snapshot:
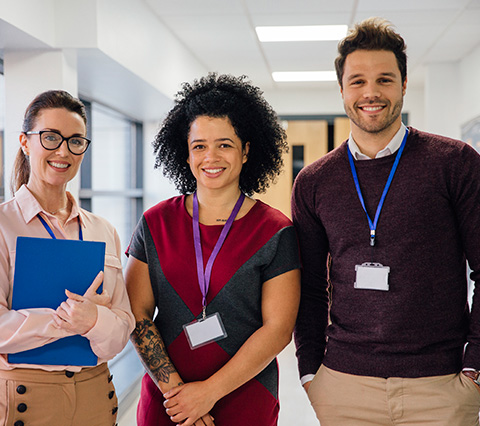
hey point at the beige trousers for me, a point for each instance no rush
(40, 398)
(341, 399)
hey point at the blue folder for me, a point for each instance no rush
(44, 268)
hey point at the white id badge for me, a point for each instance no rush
(204, 331)
(372, 276)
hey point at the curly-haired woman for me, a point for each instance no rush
(221, 268)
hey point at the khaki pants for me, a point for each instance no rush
(346, 400)
(31, 397)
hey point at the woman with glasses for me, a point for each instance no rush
(52, 146)
(220, 267)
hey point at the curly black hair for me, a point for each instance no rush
(252, 118)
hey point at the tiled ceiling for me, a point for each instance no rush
(221, 33)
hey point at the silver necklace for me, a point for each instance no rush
(59, 210)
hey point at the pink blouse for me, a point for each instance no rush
(30, 328)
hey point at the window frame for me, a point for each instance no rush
(135, 192)
(2, 151)
(126, 367)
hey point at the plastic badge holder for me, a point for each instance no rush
(204, 331)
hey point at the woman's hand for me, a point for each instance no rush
(78, 314)
(102, 299)
(206, 420)
(190, 404)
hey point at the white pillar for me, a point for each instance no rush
(155, 186)
(28, 73)
(443, 99)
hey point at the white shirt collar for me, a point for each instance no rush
(393, 146)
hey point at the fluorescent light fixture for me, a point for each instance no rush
(302, 33)
(304, 76)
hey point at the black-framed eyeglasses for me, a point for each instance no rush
(51, 141)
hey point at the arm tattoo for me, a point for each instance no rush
(152, 351)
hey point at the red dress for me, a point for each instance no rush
(260, 246)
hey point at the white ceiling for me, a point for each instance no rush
(221, 33)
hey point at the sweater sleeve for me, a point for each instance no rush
(312, 318)
(465, 196)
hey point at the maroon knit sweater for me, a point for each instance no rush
(428, 227)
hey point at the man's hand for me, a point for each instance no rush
(474, 376)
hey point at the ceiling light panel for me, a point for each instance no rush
(301, 33)
(289, 76)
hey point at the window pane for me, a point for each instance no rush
(111, 150)
(118, 211)
(2, 130)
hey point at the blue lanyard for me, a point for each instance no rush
(49, 230)
(373, 225)
(204, 276)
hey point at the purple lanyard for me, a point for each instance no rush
(204, 276)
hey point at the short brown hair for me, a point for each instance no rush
(372, 34)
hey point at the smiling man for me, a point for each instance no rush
(386, 223)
